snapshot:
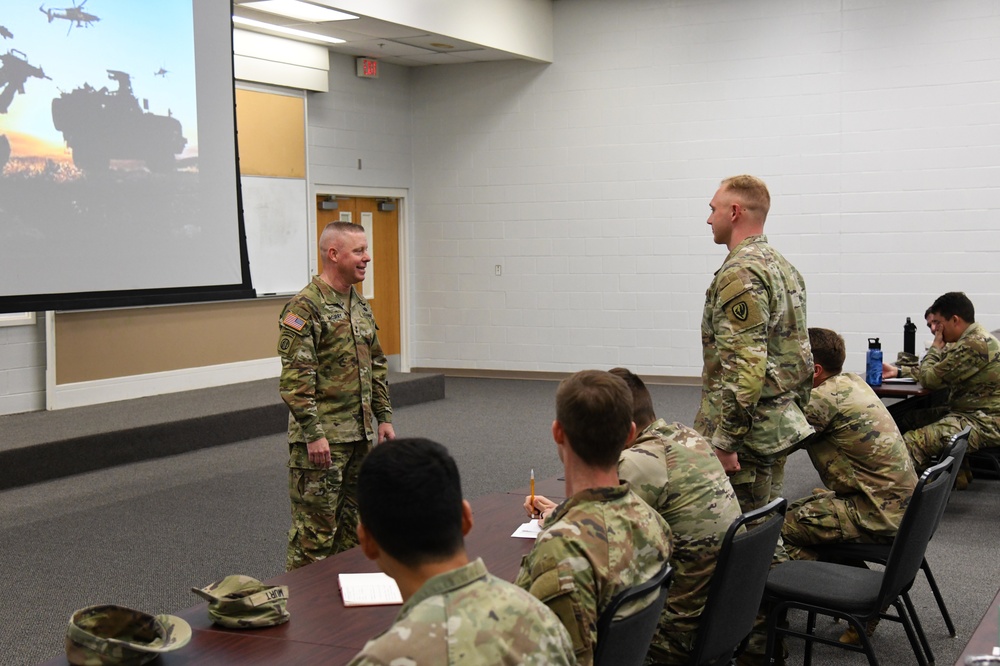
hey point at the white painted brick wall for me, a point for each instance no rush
(589, 179)
(22, 367)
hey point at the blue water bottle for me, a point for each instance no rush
(873, 368)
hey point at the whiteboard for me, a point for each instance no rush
(276, 215)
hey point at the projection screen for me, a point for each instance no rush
(120, 181)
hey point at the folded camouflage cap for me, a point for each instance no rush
(118, 636)
(242, 602)
(907, 359)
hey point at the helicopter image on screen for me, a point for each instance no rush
(102, 125)
(75, 15)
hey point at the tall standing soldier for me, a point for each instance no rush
(758, 368)
(334, 379)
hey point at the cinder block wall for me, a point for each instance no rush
(874, 123)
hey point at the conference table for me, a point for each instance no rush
(900, 389)
(321, 629)
(984, 638)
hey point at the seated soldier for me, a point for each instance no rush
(964, 358)
(859, 455)
(413, 520)
(675, 470)
(602, 539)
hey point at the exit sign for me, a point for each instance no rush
(367, 68)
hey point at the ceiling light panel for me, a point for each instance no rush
(292, 32)
(302, 11)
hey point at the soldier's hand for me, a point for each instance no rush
(889, 371)
(385, 432)
(542, 507)
(319, 452)
(729, 459)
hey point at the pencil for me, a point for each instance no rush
(532, 491)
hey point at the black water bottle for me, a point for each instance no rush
(909, 337)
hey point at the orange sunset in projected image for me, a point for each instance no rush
(26, 147)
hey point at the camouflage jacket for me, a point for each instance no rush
(334, 376)
(469, 617)
(594, 545)
(971, 368)
(757, 362)
(859, 453)
(674, 470)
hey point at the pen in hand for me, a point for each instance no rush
(534, 514)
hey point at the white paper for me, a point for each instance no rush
(369, 589)
(899, 380)
(528, 530)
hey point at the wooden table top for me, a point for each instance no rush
(900, 390)
(321, 628)
(985, 637)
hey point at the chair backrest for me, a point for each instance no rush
(737, 585)
(957, 447)
(915, 530)
(625, 641)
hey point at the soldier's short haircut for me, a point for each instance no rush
(410, 500)
(752, 192)
(642, 402)
(332, 231)
(594, 409)
(828, 349)
(955, 303)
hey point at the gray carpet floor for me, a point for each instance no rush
(141, 535)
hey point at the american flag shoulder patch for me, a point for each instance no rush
(294, 321)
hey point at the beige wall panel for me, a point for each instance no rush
(272, 135)
(120, 343)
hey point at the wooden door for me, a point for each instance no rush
(384, 267)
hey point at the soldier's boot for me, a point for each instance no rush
(964, 477)
(850, 635)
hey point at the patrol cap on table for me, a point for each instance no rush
(242, 602)
(117, 636)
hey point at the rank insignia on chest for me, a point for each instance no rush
(294, 321)
(740, 310)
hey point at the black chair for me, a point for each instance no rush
(737, 586)
(859, 594)
(625, 641)
(985, 463)
(879, 553)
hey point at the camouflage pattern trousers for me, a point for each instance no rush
(927, 432)
(758, 482)
(324, 502)
(822, 518)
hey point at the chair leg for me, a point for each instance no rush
(917, 641)
(774, 616)
(937, 597)
(918, 628)
(810, 629)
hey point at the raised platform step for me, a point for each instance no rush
(38, 446)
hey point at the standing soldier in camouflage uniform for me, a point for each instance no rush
(602, 539)
(674, 470)
(859, 455)
(964, 358)
(757, 366)
(334, 381)
(413, 520)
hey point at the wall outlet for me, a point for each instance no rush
(498, 270)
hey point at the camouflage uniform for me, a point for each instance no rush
(860, 457)
(758, 367)
(594, 545)
(674, 470)
(970, 367)
(334, 381)
(469, 617)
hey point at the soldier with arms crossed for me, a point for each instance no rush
(602, 539)
(334, 379)
(413, 520)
